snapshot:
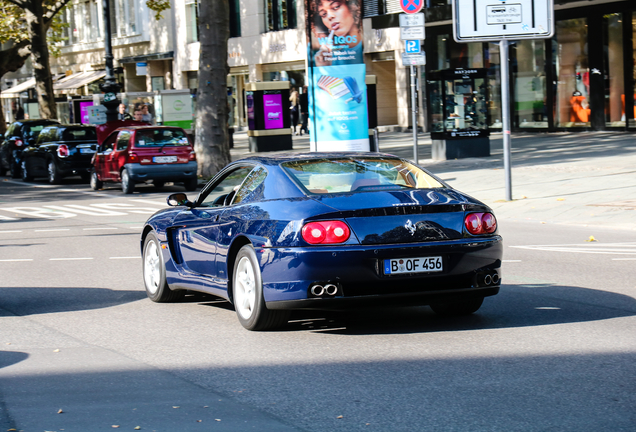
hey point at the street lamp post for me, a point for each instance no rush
(110, 87)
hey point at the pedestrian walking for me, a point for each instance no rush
(294, 109)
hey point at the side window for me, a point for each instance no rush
(109, 144)
(44, 136)
(223, 192)
(123, 139)
(252, 181)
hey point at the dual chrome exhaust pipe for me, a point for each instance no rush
(491, 279)
(320, 290)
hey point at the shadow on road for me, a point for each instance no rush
(24, 301)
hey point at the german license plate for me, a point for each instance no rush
(413, 265)
(164, 159)
(86, 150)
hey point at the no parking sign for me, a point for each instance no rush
(411, 6)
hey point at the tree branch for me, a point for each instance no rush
(13, 58)
(48, 16)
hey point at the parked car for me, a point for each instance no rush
(20, 134)
(60, 151)
(135, 154)
(324, 231)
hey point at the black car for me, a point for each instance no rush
(60, 151)
(19, 135)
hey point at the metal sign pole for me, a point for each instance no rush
(416, 156)
(505, 114)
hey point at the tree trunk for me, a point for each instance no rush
(40, 56)
(11, 60)
(211, 128)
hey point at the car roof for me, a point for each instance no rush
(279, 158)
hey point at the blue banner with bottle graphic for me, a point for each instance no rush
(338, 117)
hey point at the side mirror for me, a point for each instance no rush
(179, 199)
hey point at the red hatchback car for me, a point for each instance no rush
(137, 154)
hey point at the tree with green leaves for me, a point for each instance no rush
(211, 116)
(29, 22)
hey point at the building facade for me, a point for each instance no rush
(584, 78)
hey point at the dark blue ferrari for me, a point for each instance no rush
(324, 231)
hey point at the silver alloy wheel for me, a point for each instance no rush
(245, 288)
(152, 267)
(124, 180)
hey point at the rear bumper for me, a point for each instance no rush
(164, 172)
(357, 271)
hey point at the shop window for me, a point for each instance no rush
(280, 14)
(632, 119)
(192, 21)
(615, 96)
(572, 106)
(529, 83)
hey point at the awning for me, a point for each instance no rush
(77, 80)
(14, 92)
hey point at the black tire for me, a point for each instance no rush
(247, 290)
(127, 185)
(15, 169)
(96, 183)
(154, 272)
(191, 184)
(158, 184)
(26, 176)
(55, 177)
(459, 308)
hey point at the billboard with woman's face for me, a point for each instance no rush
(337, 90)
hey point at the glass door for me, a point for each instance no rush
(572, 96)
(614, 76)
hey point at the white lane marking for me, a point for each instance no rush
(69, 259)
(135, 227)
(100, 194)
(40, 212)
(159, 203)
(548, 308)
(510, 260)
(16, 260)
(593, 248)
(49, 230)
(135, 257)
(96, 229)
(7, 218)
(623, 259)
(91, 211)
(127, 207)
(6, 232)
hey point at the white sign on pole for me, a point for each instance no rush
(495, 20)
(412, 27)
(418, 59)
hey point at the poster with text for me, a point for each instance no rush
(338, 115)
(273, 110)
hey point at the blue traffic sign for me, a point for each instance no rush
(413, 47)
(411, 6)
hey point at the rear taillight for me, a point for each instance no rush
(18, 143)
(132, 157)
(326, 232)
(193, 156)
(62, 150)
(480, 223)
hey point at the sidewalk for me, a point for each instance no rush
(584, 178)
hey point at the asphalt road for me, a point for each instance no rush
(555, 350)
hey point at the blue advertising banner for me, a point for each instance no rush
(338, 119)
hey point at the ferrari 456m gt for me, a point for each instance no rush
(324, 231)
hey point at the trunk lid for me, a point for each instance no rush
(411, 216)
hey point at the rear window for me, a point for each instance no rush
(160, 137)
(322, 176)
(79, 134)
(33, 130)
